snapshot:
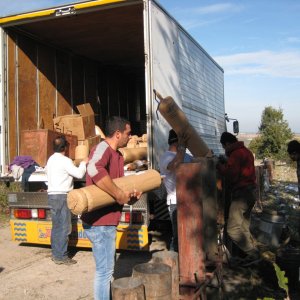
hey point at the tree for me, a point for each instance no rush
(274, 133)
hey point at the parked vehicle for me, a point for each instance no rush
(111, 54)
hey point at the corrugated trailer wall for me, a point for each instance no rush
(201, 82)
(44, 81)
(181, 68)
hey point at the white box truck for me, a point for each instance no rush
(111, 54)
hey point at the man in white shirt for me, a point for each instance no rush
(60, 172)
(168, 163)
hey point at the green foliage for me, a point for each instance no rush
(274, 134)
(282, 280)
(255, 145)
(13, 187)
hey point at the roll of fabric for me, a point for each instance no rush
(176, 118)
(91, 197)
(132, 144)
(81, 153)
(144, 137)
(132, 154)
(142, 144)
(99, 132)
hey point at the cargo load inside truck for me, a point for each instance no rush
(61, 62)
(111, 54)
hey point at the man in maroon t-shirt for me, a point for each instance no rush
(105, 164)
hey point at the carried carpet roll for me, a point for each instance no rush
(99, 132)
(81, 153)
(176, 118)
(132, 154)
(91, 197)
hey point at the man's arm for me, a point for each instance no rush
(77, 172)
(97, 171)
(231, 169)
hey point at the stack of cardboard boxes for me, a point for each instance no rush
(79, 129)
(80, 132)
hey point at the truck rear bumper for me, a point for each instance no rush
(129, 237)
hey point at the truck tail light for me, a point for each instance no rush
(135, 217)
(42, 214)
(22, 213)
(127, 217)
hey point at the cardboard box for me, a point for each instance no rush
(82, 125)
(39, 144)
(90, 142)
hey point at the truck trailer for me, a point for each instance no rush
(111, 54)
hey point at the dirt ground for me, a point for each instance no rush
(27, 272)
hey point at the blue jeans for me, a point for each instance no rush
(173, 217)
(103, 239)
(61, 225)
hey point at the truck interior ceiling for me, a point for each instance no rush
(94, 57)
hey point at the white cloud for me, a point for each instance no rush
(217, 8)
(210, 9)
(199, 16)
(267, 63)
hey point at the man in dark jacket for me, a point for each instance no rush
(239, 172)
(293, 150)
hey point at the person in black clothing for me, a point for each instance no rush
(293, 149)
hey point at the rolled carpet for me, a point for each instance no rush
(91, 197)
(132, 154)
(176, 118)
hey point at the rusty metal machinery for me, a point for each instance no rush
(200, 246)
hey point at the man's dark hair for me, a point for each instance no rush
(173, 138)
(227, 137)
(60, 144)
(293, 147)
(114, 124)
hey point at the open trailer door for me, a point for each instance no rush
(89, 52)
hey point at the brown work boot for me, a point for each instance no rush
(69, 261)
(64, 261)
(57, 261)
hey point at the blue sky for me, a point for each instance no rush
(257, 43)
